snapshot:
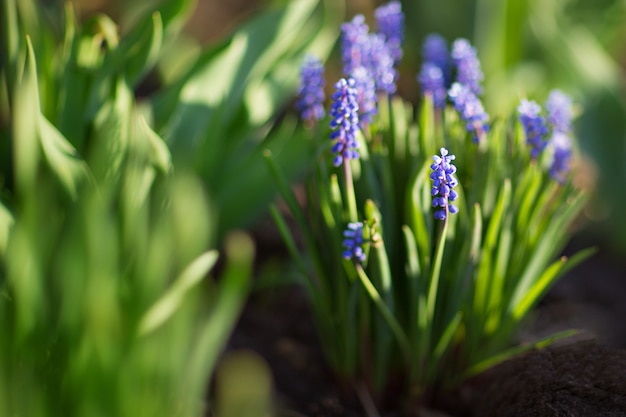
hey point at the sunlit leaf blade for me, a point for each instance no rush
(167, 305)
(547, 279)
(62, 158)
(233, 288)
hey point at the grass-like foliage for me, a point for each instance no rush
(128, 153)
(397, 286)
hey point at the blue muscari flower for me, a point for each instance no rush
(559, 108)
(471, 110)
(353, 242)
(435, 51)
(534, 126)
(381, 64)
(433, 82)
(354, 40)
(468, 70)
(366, 94)
(390, 23)
(443, 184)
(311, 91)
(562, 155)
(344, 121)
(362, 49)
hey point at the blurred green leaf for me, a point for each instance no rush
(62, 158)
(6, 222)
(234, 286)
(174, 297)
(27, 151)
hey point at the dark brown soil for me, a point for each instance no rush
(579, 379)
(277, 325)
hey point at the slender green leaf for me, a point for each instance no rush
(545, 281)
(233, 288)
(167, 305)
(62, 158)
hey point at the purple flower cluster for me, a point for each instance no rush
(433, 82)
(390, 24)
(468, 71)
(443, 184)
(366, 95)
(562, 155)
(311, 91)
(354, 41)
(435, 51)
(344, 121)
(381, 64)
(559, 108)
(471, 110)
(353, 242)
(433, 76)
(369, 50)
(534, 125)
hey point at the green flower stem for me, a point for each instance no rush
(395, 327)
(434, 279)
(350, 194)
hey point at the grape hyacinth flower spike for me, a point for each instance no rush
(344, 121)
(353, 242)
(468, 71)
(354, 41)
(311, 92)
(562, 155)
(366, 95)
(435, 51)
(443, 184)
(432, 81)
(471, 110)
(381, 65)
(390, 24)
(559, 108)
(534, 126)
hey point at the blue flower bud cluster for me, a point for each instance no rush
(435, 51)
(390, 24)
(354, 40)
(381, 64)
(443, 184)
(311, 91)
(561, 156)
(471, 110)
(344, 121)
(353, 242)
(559, 108)
(534, 125)
(433, 82)
(370, 51)
(434, 74)
(551, 130)
(366, 95)
(468, 71)
(434, 79)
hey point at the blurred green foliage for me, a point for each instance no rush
(127, 153)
